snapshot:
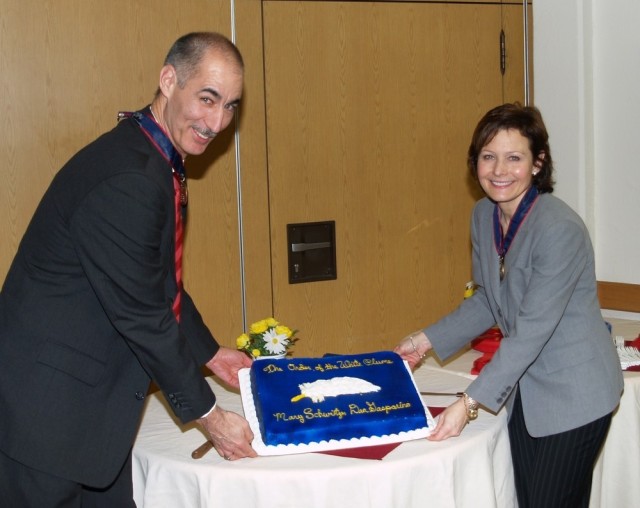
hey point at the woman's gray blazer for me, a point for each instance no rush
(556, 346)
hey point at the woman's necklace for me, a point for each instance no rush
(503, 242)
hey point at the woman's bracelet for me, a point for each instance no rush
(415, 349)
(471, 407)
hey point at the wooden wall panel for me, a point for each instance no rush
(253, 158)
(66, 68)
(514, 78)
(619, 296)
(370, 109)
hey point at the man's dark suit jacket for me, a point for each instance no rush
(86, 318)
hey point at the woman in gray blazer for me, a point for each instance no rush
(556, 369)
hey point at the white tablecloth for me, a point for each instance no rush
(473, 470)
(616, 477)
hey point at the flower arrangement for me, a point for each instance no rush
(266, 337)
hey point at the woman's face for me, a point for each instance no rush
(505, 169)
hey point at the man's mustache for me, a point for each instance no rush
(208, 133)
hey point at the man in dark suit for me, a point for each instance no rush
(93, 307)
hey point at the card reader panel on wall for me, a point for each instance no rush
(311, 251)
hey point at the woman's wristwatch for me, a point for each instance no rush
(472, 407)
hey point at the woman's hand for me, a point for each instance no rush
(450, 422)
(413, 348)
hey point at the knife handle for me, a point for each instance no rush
(201, 450)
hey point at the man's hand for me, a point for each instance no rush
(229, 432)
(226, 363)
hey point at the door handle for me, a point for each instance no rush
(300, 247)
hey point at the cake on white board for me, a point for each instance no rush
(300, 405)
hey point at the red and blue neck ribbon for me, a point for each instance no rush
(163, 144)
(502, 243)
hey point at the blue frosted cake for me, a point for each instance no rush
(343, 401)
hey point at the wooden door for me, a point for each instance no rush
(370, 108)
(66, 68)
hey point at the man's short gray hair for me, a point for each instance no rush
(187, 52)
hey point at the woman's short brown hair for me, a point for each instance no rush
(527, 120)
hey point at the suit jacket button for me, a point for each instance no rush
(139, 395)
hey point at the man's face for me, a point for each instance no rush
(206, 104)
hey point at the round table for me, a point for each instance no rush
(616, 473)
(471, 470)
